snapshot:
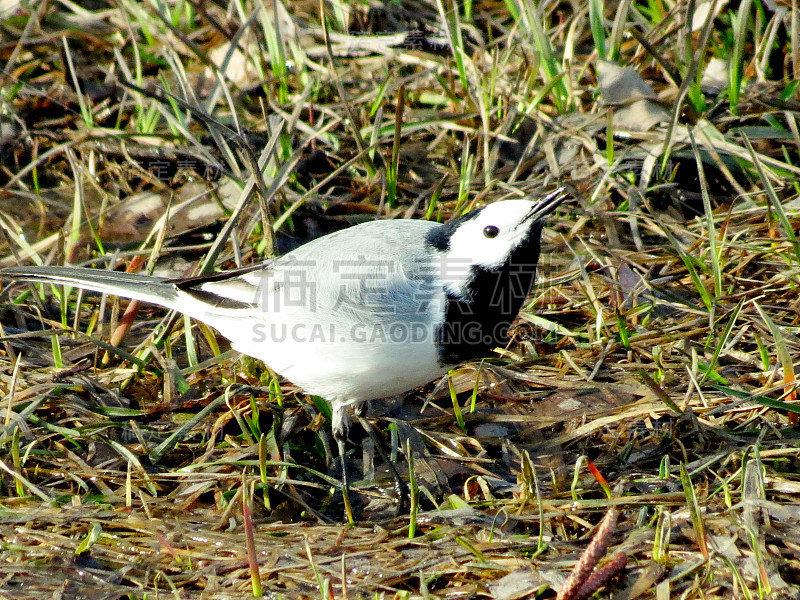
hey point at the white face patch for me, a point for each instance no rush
(486, 241)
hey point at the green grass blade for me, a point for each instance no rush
(736, 63)
(597, 25)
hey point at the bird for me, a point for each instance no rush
(367, 312)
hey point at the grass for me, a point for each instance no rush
(657, 352)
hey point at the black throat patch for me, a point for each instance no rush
(479, 322)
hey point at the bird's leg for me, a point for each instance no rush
(400, 486)
(339, 426)
(360, 408)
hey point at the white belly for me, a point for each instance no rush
(350, 362)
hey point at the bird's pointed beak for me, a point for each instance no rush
(547, 205)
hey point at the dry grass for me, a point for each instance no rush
(660, 343)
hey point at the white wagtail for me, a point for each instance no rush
(363, 313)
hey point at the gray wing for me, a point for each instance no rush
(377, 272)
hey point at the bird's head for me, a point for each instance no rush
(491, 238)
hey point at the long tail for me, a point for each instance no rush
(155, 290)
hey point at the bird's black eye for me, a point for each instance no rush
(490, 231)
